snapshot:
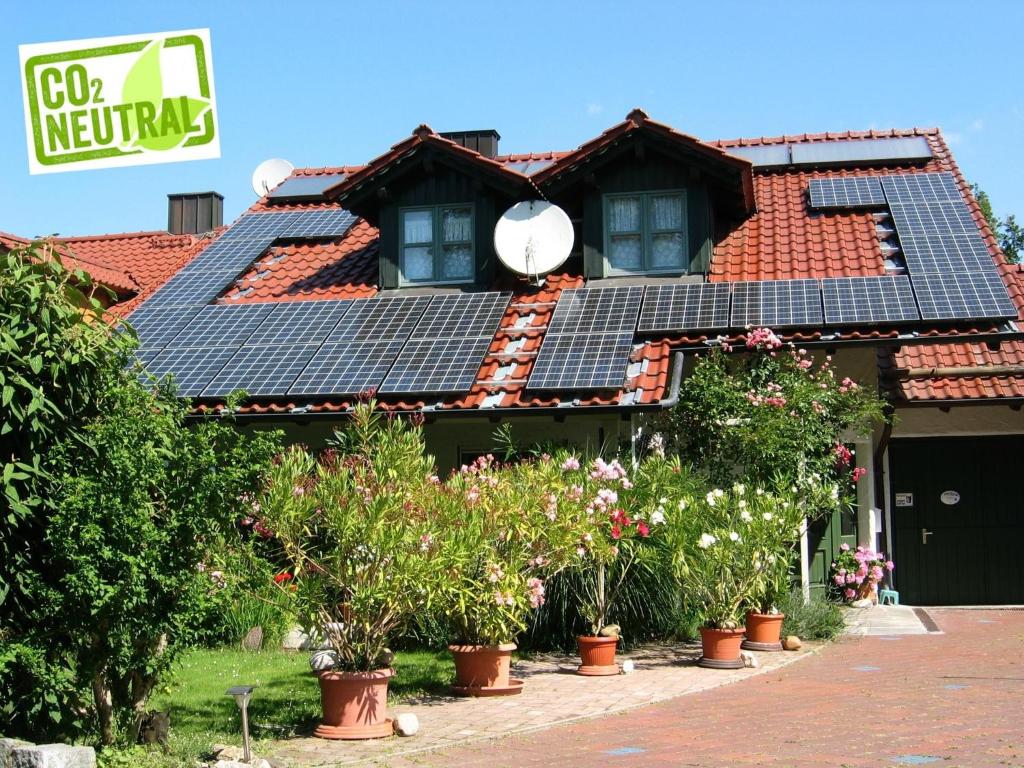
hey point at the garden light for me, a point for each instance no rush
(242, 694)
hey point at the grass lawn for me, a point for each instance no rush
(286, 700)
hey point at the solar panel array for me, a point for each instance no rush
(951, 270)
(776, 303)
(692, 306)
(868, 300)
(528, 167)
(846, 192)
(448, 344)
(588, 340)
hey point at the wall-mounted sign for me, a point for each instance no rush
(949, 498)
(904, 499)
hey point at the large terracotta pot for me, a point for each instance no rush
(764, 631)
(868, 591)
(597, 655)
(483, 670)
(721, 648)
(354, 705)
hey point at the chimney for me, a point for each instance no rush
(192, 213)
(485, 142)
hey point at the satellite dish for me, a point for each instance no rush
(533, 237)
(269, 174)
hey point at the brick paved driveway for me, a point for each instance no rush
(955, 699)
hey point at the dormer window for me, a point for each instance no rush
(437, 244)
(646, 232)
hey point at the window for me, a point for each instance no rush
(646, 232)
(437, 244)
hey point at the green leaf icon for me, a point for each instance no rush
(143, 83)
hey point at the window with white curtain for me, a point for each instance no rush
(437, 244)
(646, 232)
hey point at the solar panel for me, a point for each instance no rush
(436, 365)
(582, 361)
(392, 317)
(596, 310)
(264, 370)
(846, 192)
(856, 151)
(326, 222)
(158, 324)
(228, 256)
(920, 187)
(464, 314)
(254, 226)
(959, 296)
(347, 367)
(528, 167)
(763, 155)
(868, 300)
(222, 326)
(685, 307)
(776, 303)
(192, 368)
(299, 322)
(937, 252)
(192, 288)
(305, 187)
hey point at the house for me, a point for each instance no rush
(868, 246)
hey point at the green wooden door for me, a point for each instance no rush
(824, 536)
(957, 520)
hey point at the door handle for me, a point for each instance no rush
(925, 533)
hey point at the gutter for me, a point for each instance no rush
(675, 380)
(972, 371)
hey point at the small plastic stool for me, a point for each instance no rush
(888, 597)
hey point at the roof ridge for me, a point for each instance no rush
(801, 138)
(117, 236)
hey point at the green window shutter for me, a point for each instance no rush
(699, 217)
(593, 236)
(388, 247)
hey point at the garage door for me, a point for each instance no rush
(957, 520)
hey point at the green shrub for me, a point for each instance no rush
(818, 619)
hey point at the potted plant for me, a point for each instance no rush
(856, 573)
(502, 545)
(606, 515)
(354, 528)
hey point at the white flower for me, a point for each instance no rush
(682, 504)
(706, 540)
(760, 491)
(663, 500)
(739, 488)
(733, 536)
(718, 492)
(767, 515)
(742, 504)
(835, 493)
(745, 516)
(658, 517)
(711, 499)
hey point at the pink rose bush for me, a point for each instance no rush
(856, 572)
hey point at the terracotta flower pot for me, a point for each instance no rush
(354, 705)
(868, 591)
(483, 670)
(764, 631)
(721, 648)
(597, 655)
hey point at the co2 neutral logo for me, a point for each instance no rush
(116, 101)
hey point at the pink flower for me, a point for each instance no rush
(849, 593)
(838, 579)
(642, 529)
(536, 592)
(425, 541)
(844, 547)
(876, 573)
(858, 473)
(763, 338)
(616, 531)
(570, 464)
(889, 565)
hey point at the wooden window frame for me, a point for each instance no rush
(646, 233)
(436, 244)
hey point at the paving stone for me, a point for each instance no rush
(53, 756)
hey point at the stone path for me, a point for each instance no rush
(953, 700)
(553, 695)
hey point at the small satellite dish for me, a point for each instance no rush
(269, 174)
(533, 237)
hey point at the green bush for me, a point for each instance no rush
(818, 619)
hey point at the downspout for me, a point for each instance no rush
(676, 376)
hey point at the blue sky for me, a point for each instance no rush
(339, 82)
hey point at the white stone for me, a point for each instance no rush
(53, 756)
(628, 667)
(749, 660)
(322, 660)
(407, 724)
(7, 746)
(865, 603)
(296, 640)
